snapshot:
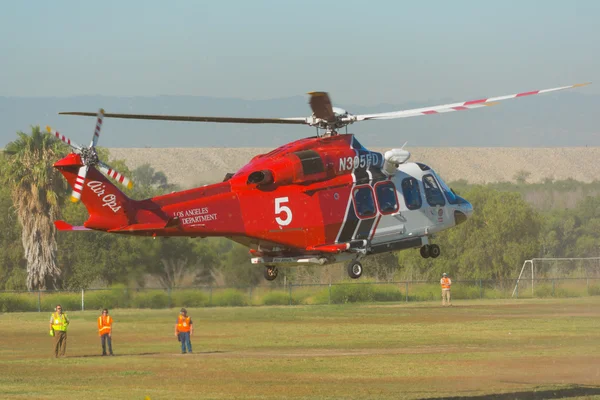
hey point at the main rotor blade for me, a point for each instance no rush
(115, 175)
(321, 106)
(62, 137)
(297, 121)
(467, 105)
(96, 136)
(79, 182)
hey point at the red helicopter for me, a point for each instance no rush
(317, 200)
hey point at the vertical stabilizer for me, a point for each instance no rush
(108, 207)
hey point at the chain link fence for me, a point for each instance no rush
(293, 294)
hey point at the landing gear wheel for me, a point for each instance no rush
(271, 272)
(355, 269)
(434, 251)
(425, 251)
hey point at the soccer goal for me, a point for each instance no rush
(539, 270)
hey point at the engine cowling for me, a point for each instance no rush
(392, 159)
(294, 168)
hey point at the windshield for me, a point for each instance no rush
(450, 195)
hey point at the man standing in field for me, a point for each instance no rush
(105, 331)
(59, 322)
(183, 330)
(446, 283)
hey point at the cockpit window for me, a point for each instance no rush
(364, 202)
(433, 194)
(452, 198)
(386, 197)
(411, 193)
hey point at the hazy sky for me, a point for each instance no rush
(362, 52)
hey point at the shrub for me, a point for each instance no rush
(116, 297)
(387, 293)
(465, 292)
(424, 292)
(566, 292)
(302, 295)
(543, 291)
(229, 297)
(277, 298)
(70, 301)
(356, 293)
(189, 298)
(151, 299)
(14, 302)
(494, 294)
(594, 290)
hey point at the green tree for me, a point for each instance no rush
(236, 268)
(521, 176)
(503, 231)
(13, 269)
(36, 190)
(172, 261)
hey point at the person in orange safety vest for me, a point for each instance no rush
(105, 322)
(184, 328)
(446, 283)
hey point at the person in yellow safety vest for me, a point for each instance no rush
(59, 322)
(446, 283)
(183, 330)
(105, 322)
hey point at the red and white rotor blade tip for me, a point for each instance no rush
(62, 137)
(79, 182)
(99, 119)
(115, 175)
(466, 105)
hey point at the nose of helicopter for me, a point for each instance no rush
(463, 212)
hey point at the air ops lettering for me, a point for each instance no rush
(195, 215)
(108, 199)
(362, 161)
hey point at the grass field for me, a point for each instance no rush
(501, 349)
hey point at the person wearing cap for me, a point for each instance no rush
(446, 283)
(59, 322)
(184, 329)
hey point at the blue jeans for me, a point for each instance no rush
(105, 338)
(184, 338)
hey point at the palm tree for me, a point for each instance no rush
(37, 190)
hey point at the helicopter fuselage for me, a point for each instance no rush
(317, 200)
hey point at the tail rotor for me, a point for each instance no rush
(89, 158)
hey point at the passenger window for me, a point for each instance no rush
(433, 194)
(386, 197)
(364, 202)
(411, 193)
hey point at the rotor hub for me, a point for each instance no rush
(89, 156)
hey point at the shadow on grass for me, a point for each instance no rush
(200, 353)
(115, 355)
(575, 391)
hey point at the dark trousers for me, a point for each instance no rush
(60, 343)
(184, 338)
(105, 338)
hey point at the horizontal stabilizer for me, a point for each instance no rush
(64, 226)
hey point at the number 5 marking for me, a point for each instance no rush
(282, 209)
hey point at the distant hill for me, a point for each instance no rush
(561, 119)
(191, 167)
